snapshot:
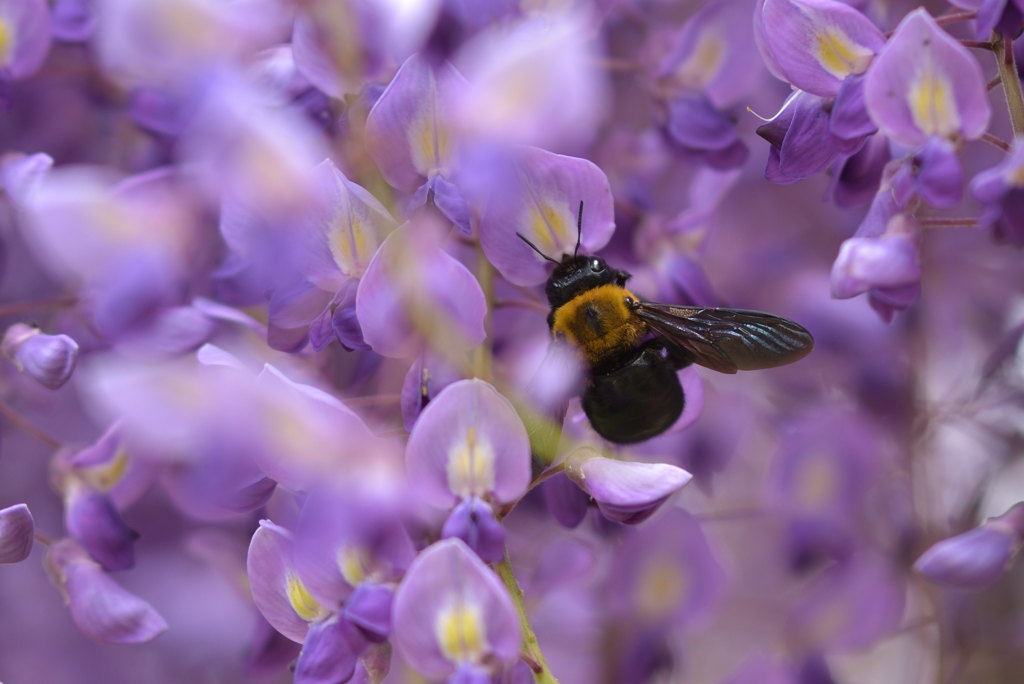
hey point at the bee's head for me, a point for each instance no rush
(577, 274)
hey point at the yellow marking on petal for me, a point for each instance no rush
(703, 63)
(931, 103)
(354, 564)
(352, 243)
(104, 477)
(430, 141)
(461, 633)
(549, 229)
(817, 483)
(6, 40)
(471, 466)
(838, 55)
(662, 585)
(302, 602)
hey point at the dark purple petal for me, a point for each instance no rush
(369, 608)
(974, 559)
(473, 522)
(857, 178)
(330, 652)
(990, 13)
(92, 519)
(695, 123)
(99, 606)
(850, 119)
(566, 502)
(17, 531)
(940, 178)
(73, 20)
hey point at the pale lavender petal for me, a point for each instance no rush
(446, 197)
(469, 441)
(91, 518)
(696, 124)
(17, 530)
(625, 491)
(925, 83)
(411, 273)
(173, 332)
(567, 503)
(473, 522)
(817, 43)
(866, 263)
(19, 174)
(99, 606)
(939, 177)
(712, 53)
(409, 130)
(329, 653)
(276, 590)
(451, 609)
(25, 28)
(539, 196)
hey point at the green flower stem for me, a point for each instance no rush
(531, 648)
(1003, 50)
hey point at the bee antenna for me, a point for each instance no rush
(579, 230)
(535, 248)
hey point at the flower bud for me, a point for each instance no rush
(49, 359)
(977, 558)
(16, 531)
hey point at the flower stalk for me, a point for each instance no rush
(1003, 50)
(531, 647)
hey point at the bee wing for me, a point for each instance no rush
(728, 340)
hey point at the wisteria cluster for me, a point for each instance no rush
(279, 398)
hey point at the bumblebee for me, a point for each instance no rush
(633, 348)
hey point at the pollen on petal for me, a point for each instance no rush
(302, 602)
(931, 102)
(471, 465)
(461, 632)
(839, 55)
(429, 142)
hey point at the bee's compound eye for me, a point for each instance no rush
(596, 265)
(630, 303)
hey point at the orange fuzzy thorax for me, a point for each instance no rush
(600, 322)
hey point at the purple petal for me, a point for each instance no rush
(411, 273)
(473, 522)
(808, 147)
(566, 502)
(99, 606)
(974, 559)
(329, 653)
(857, 178)
(173, 332)
(369, 608)
(47, 359)
(712, 53)
(469, 441)
(92, 519)
(73, 20)
(426, 377)
(940, 178)
(849, 119)
(866, 263)
(539, 197)
(451, 609)
(815, 44)
(925, 83)
(625, 491)
(447, 198)
(276, 590)
(17, 531)
(696, 124)
(409, 130)
(25, 25)
(19, 174)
